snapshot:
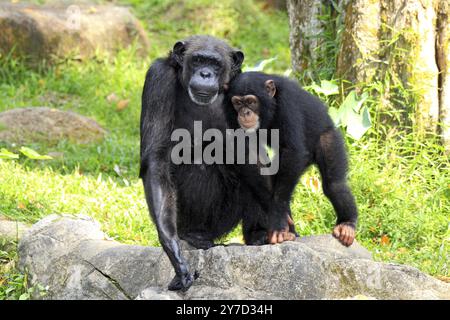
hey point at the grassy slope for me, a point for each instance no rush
(402, 187)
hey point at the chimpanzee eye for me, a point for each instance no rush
(196, 60)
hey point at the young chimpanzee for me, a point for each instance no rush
(307, 135)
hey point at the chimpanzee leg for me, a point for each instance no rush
(293, 163)
(332, 162)
(254, 217)
(199, 240)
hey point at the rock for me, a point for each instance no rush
(77, 261)
(41, 124)
(328, 245)
(157, 294)
(62, 30)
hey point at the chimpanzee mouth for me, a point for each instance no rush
(202, 98)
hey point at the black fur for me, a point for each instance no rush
(198, 203)
(307, 136)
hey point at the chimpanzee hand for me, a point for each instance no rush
(183, 282)
(345, 232)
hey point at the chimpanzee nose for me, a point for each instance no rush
(205, 74)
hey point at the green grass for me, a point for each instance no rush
(401, 183)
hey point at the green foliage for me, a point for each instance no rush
(260, 66)
(28, 152)
(32, 154)
(351, 114)
(323, 66)
(5, 154)
(260, 32)
(14, 284)
(326, 88)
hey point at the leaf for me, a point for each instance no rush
(334, 114)
(30, 153)
(117, 170)
(24, 296)
(5, 154)
(326, 88)
(122, 104)
(260, 66)
(361, 101)
(346, 108)
(385, 240)
(366, 117)
(352, 101)
(112, 97)
(313, 183)
(287, 73)
(357, 124)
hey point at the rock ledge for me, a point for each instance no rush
(76, 260)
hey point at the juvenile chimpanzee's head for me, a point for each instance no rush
(251, 97)
(206, 65)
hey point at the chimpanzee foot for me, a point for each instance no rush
(287, 233)
(345, 233)
(198, 240)
(280, 236)
(183, 282)
(257, 238)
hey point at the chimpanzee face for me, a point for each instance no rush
(206, 68)
(248, 108)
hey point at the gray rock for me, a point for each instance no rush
(155, 293)
(77, 261)
(64, 30)
(327, 244)
(41, 124)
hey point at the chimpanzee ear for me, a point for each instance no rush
(238, 58)
(178, 52)
(270, 87)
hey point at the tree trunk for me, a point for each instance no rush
(306, 30)
(395, 41)
(404, 44)
(443, 61)
(305, 27)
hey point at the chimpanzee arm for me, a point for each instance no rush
(157, 117)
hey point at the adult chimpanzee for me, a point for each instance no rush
(194, 202)
(307, 135)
